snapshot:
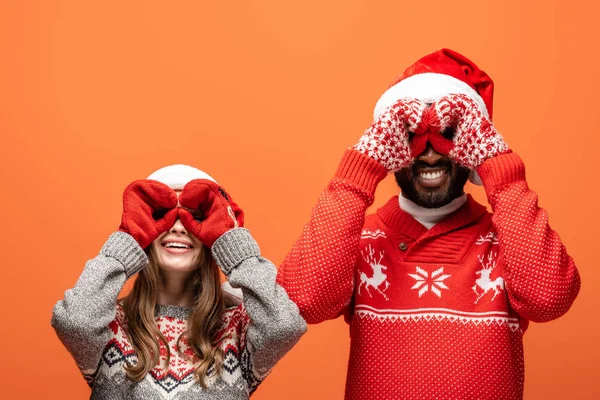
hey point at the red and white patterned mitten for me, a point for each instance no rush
(475, 138)
(386, 141)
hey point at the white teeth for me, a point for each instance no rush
(431, 175)
(177, 245)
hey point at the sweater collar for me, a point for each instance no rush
(428, 217)
(401, 221)
(178, 312)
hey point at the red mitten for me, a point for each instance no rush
(219, 213)
(475, 138)
(386, 140)
(149, 209)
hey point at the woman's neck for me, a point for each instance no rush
(174, 289)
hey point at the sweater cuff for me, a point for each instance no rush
(361, 170)
(501, 170)
(125, 249)
(234, 247)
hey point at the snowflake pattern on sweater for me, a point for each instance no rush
(447, 307)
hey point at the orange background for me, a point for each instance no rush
(265, 95)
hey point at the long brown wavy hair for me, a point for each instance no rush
(202, 326)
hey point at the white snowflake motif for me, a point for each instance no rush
(430, 282)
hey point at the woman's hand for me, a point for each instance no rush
(149, 209)
(219, 213)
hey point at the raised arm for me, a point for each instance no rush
(318, 273)
(540, 277)
(82, 319)
(271, 324)
(274, 325)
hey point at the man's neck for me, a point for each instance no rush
(428, 217)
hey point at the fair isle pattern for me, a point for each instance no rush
(475, 138)
(376, 234)
(488, 262)
(378, 277)
(430, 281)
(118, 352)
(439, 314)
(536, 262)
(386, 140)
(432, 359)
(491, 237)
(332, 292)
(408, 347)
(181, 370)
(179, 376)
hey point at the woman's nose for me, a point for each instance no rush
(178, 228)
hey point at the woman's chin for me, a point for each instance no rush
(177, 267)
(177, 262)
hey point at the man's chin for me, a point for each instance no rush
(427, 197)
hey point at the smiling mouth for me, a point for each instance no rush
(176, 246)
(432, 177)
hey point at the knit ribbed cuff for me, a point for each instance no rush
(125, 249)
(361, 170)
(502, 170)
(233, 247)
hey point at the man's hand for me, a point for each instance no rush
(475, 138)
(387, 141)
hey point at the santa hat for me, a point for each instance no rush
(178, 175)
(439, 74)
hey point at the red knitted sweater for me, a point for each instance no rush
(439, 313)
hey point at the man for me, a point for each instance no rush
(438, 292)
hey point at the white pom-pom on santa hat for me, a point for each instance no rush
(178, 175)
(437, 75)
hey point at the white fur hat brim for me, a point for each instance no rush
(427, 87)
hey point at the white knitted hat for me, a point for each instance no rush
(176, 176)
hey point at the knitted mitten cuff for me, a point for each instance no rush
(234, 247)
(500, 171)
(125, 249)
(361, 170)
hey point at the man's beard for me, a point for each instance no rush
(434, 197)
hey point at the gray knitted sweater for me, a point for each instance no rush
(90, 323)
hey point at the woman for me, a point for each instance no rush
(177, 333)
